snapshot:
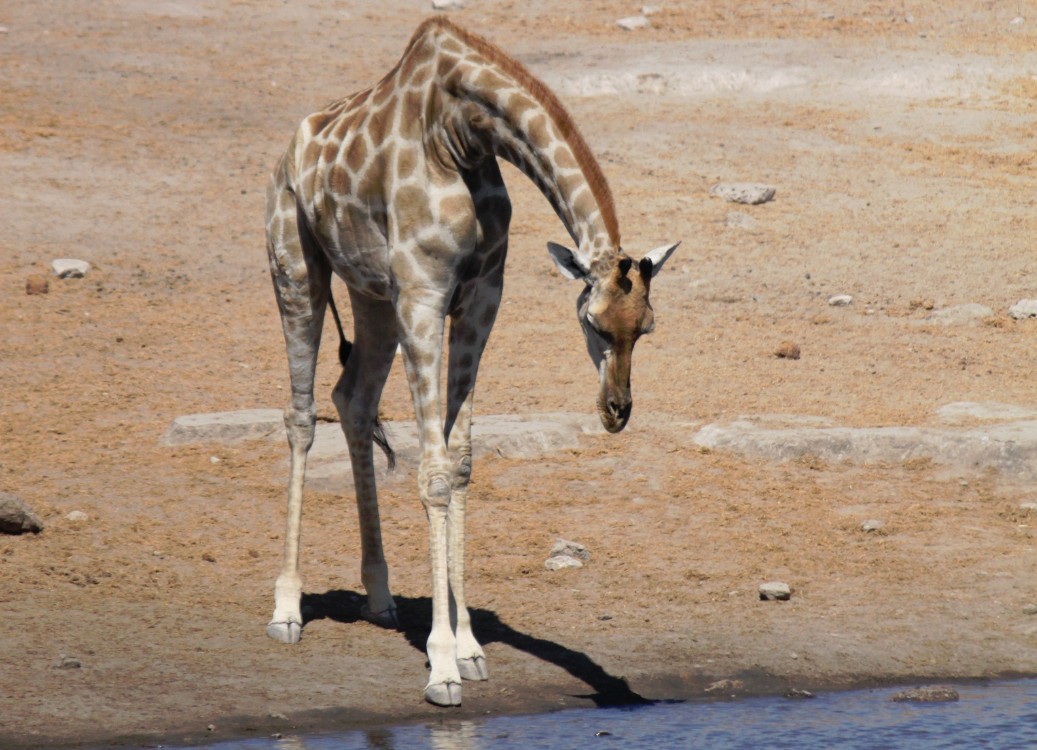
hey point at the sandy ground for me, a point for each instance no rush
(138, 136)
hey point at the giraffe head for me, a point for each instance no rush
(614, 312)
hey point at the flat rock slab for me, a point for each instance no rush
(507, 435)
(1010, 447)
(225, 427)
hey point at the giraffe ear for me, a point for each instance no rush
(567, 262)
(653, 261)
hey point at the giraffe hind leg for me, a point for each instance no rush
(301, 284)
(356, 397)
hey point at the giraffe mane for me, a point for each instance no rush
(552, 106)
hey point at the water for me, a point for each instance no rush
(998, 715)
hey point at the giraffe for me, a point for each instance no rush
(397, 190)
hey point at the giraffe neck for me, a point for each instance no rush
(485, 104)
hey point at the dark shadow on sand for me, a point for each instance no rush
(415, 614)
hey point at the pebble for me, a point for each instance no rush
(572, 549)
(37, 284)
(840, 300)
(1024, 308)
(872, 525)
(68, 662)
(16, 517)
(748, 193)
(557, 562)
(447, 4)
(787, 350)
(632, 23)
(797, 693)
(70, 268)
(926, 695)
(1030, 609)
(76, 516)
(775, 591)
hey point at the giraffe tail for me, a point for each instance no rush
(345, 346)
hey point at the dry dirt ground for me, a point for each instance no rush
(138, 135)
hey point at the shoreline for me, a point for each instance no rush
(339, 720)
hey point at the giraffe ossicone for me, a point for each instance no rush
(396, 189)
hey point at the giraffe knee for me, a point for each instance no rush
(300, 424)
(435, 491)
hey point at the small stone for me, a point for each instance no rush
(16, 517)
(572, 549)
(926, 695)
(211, 728)
(1028, 507)
(1024, 308)
(872, 525)
(447, 4)
(1030, 609)
(1017, 21)
(632, 23)
(650, 10)
(725, 686)
(748, 193)
(787, 350)
(840, 300)
(76, 516)
(70, 268)
(208, 557)
(557, 562)
(37, 284)
(775, 591)
(797, 693)
(68, 662)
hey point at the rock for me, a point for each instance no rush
(566, 554)
(960, 314)
(226, 426)
(632, 23)
(649, 10)
(16, 517)
(1024, 308)
(749, 193)
(775, 591)
(70, 268)
(1030, 609)
(447, 4)
(787, 350)
(797, 693)
(76, 516)
(67, 662)
(557, 562)
(840, 300)
(872, 525)
(572, 549)
(937, 694)
(724, 686)
(37, 284)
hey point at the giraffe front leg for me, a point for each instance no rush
(468, 336)
(420, 325)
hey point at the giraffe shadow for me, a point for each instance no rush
(415, 614)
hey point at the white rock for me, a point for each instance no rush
(632, 23)
(70, 268)
(1028, 507)
(447, 4)
(1016, 21)
(649, 10)
(557, 562)
(872, 525)
(749, 193)
(775, 590)
(76, 516)
(1024, 308)
(840, 300)
(571, 549)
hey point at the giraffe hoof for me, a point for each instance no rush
(387, 618)
(285, 632)
(444, 694)
(473, 669)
